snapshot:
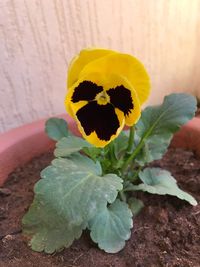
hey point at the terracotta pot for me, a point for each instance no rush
(189, 136)
(20, 145)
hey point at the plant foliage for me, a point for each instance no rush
(56, 128)
(88, 187)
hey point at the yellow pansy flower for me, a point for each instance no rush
(105, 92)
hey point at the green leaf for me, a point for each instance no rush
(93, 152)
(175, 111)
(50, 230)
(85, 163)
(154, 148)
(110, 228)
(75, 185)
(69, 195)
(158, 124)
(136, 205)
(69, 145)
(56, 128)
(121, 143)
(158, 181)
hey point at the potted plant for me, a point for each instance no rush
(94, 183)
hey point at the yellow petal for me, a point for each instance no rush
(123, 65)
(68, 102)
(107, 82)
(80, 61)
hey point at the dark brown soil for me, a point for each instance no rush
(166, 233)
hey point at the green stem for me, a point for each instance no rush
(129, 189)
(135, 176)
(112, 152)
(133, 155)
(141, 143)
(130, 140)
(122, 196)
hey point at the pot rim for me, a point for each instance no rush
(20, 145)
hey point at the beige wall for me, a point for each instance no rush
(39, 37)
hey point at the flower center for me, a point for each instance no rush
(102, 98)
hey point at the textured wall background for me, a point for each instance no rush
(39, 37)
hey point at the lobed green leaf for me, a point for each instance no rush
(50, 230)
(56, 128)
(158, 124)
(158, 181)
(69, 145)
(110, 228)
(71, 192)
(82, 188)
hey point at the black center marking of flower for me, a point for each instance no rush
(86, 90)
(121, 98)
(99, 118)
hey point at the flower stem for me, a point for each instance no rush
(122, 196)
(135, 176)
(130, 140)
(112, 152)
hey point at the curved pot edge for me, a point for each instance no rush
(20, 145)
(188, 137)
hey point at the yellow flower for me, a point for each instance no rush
(105, 91)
